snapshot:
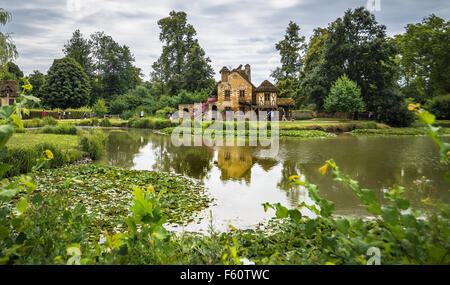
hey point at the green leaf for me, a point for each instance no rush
(390, 215)
(295, 215)
(4, 168)
(6, 131)
(368, 196)
(4, 233)
(342, 225)
(402, 203)
(427, 117)
(310, 227)
(282, 212)
(9, 191)
(326, 207)
(22, 205)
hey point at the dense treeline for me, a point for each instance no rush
(387, 72)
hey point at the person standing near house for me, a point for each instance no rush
(142, 114)
(43, 113)
(84, 115)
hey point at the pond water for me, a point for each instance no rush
(241, 178)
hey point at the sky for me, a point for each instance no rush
(231, 32)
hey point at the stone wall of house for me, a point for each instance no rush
(234, 84)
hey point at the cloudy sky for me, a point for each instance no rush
(232, 32)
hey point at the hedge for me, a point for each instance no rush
(74, 113)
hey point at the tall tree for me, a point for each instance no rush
(425, 57)
(357, 45)
(67, 85)
(37, 80)
(8, 50)
(113, 65)
(290, 49)
(179, 55)
(79, 49)
(15, 70)
(198, 74)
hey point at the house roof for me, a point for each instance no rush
(8, 87)
(266, 86)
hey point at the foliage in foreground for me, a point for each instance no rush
(41, 229)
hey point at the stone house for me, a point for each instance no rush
(236, 92)
(8, 92)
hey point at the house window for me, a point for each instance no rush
(241, 93)
(11, 102)
(266, 97)
(227, 94)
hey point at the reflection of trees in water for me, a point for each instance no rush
(376, 163)
(123, 146)
(192, 161)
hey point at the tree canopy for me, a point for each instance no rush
(66, 86)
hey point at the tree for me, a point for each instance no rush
(425, 58)
(290, 49)
(198, 74)
(100, 108)
(345, 97)
(79, 49)
(37, 80)
(182, 63)
(8, 50)
(66, 85)
(356, 45)
(113, 64)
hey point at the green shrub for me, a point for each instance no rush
(23, 158)
(302, 116)
(440, 106)
(105, 123)
(74, 113)
(127, 114)
(62, 129)
(95, 122)
(100, 108)
(93, 143)
(50, 121)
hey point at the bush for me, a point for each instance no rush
(23, 158)
(62, 129)
(100, 108)
(127, 114)
(440, 106)
(50, 121)
(302, 116)
(93, 143)
(74, 113)
(165, 111)
(105, 123)
(150, 123)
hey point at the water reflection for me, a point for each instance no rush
(241, 178)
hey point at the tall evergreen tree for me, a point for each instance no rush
(290, 49)
(181, 51)
(79, 49)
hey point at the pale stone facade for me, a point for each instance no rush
(8, 92)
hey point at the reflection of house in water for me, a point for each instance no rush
(235, 163)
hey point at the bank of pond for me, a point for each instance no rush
(118, 210)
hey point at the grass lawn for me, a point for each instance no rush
(65, 142)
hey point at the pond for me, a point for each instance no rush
(241, 178)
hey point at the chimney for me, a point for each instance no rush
(224, 72)
(247, 72)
